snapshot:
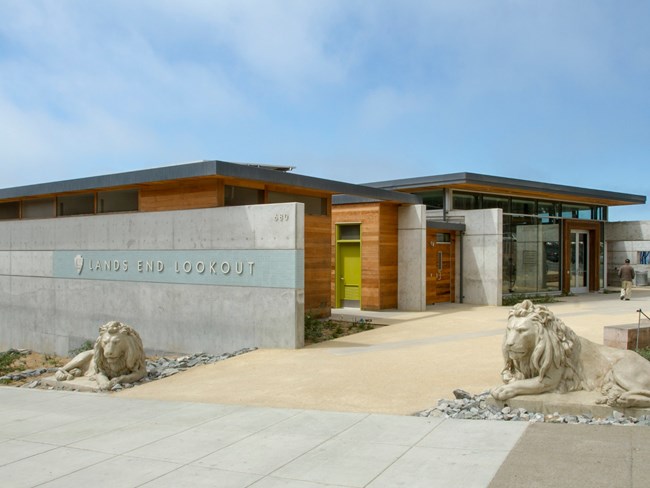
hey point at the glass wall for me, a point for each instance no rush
(532, 237)
(531, 254)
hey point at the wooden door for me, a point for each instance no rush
(440, 266)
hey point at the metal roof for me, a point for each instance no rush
(257, 172)
(512, 186)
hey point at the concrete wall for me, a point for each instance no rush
(482, 250)
(412, 258)
(626, 240)
(212, 280)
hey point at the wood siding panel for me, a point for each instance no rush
(318, 255)
(378, 252)
(181, 196)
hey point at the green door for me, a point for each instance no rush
(349, 274)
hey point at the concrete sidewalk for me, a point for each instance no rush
(331, 415)
(63, 439)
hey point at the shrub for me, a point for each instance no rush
(86, 346)
(6, 360)
(511, 300)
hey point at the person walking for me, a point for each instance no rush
(626, 274)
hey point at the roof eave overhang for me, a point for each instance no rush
(512, 186)
(203, 169)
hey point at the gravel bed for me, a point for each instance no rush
(160, 368)
(475, 407)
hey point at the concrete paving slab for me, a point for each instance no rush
(388, 429)
(271, 482)
(200, 477)
(424, 467)
(48, 466)
(14, 450)
(124, 472)
(470, 435)
(342, 462)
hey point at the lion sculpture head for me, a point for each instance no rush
(118, 350)
(537, 342)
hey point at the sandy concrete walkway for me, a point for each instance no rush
(398, 369)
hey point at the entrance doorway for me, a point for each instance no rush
(579, 264)
(440, 266)
(348, 266)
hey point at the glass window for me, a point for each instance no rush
(492, 201)
(9, 210)
(442, 237)
(575, 211)
(523, 207)
(239, 195)
(349, 232)
(548, 209)
(41, 208)
(313, 205)
(599, 213)
(117, 201)
(76, 204)
(434, 199)
(465, 201)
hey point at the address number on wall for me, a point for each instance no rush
(281, 217)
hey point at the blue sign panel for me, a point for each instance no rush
(279, 268)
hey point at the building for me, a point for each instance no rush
(207, 256)
(486, 237)
(215, 256)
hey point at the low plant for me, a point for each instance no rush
(86, 346)
(511, 300)
(7, 360)
(645, 352)
(363, 324)
(313, 328)
(319, 330)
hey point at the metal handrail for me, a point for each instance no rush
(638, 327)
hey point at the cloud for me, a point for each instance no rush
(385, 106)
(288, 43)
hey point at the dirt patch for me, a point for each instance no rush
(18, 361)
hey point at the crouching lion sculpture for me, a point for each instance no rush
(543, 355)
(117, 357)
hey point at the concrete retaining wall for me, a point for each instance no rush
(626, 240)
(212, 280)
(412, 258)
(482, 255)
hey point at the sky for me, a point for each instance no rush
(351, 90)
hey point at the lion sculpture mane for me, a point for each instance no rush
(117, 357)
(543, 355)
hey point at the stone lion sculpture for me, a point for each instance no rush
(117, 357)
(543, 355)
